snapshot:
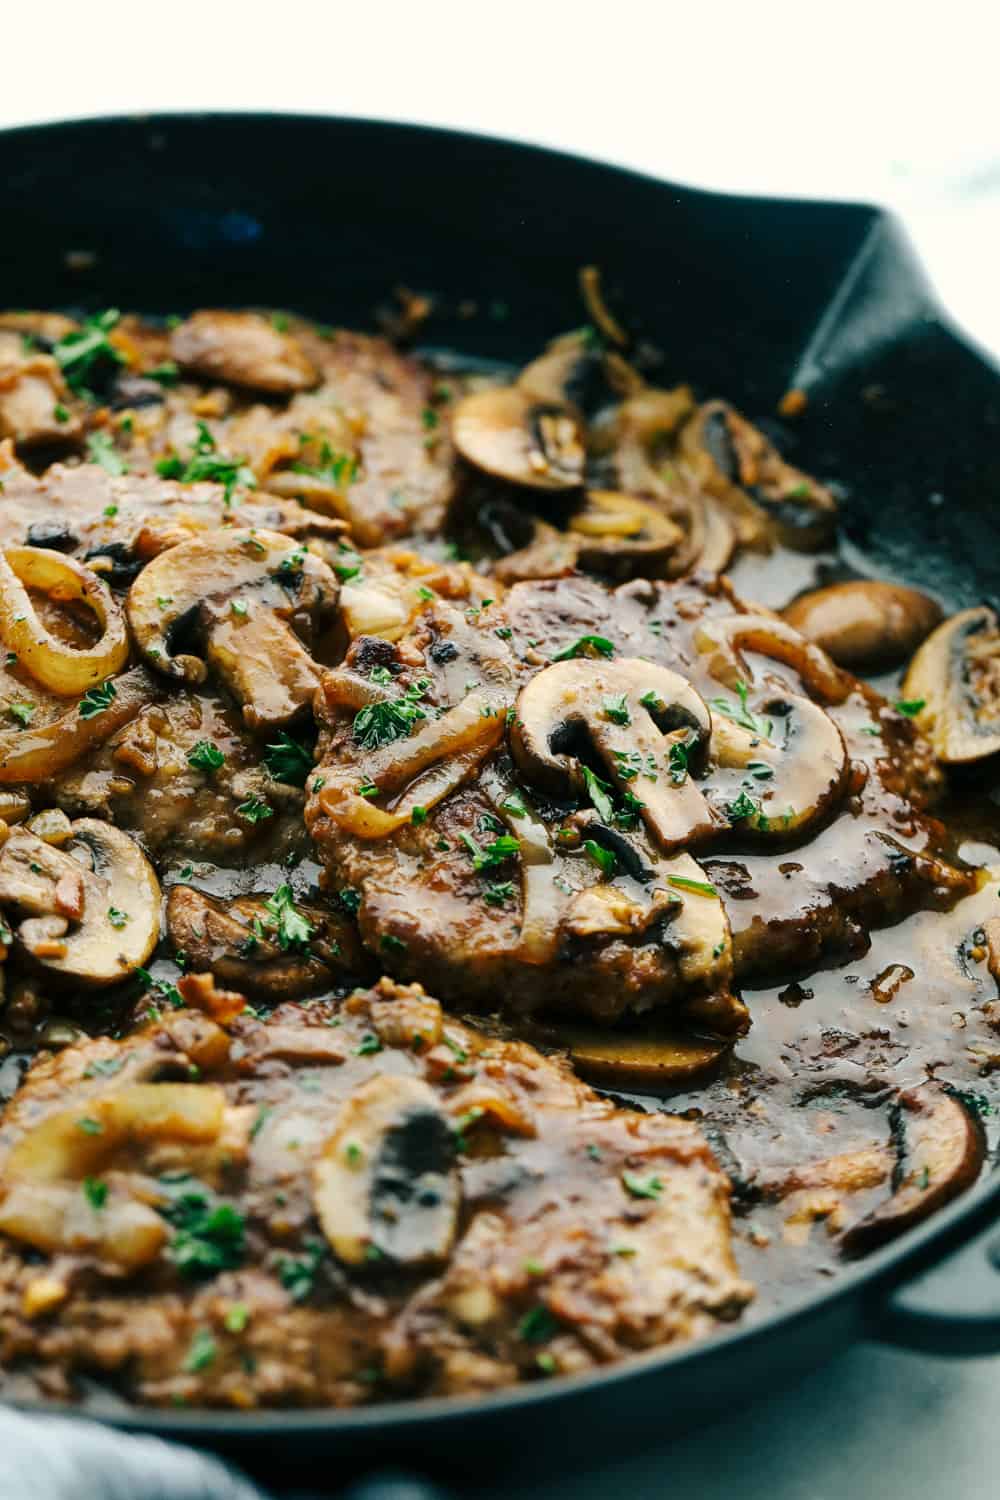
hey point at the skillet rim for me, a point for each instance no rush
(923, 1247)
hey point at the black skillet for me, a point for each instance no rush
(747, 297)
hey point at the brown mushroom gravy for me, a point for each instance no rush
(462, 918)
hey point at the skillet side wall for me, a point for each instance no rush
(745, 297)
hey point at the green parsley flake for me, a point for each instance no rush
(97, 699)
(95, 1191)
(650, 1187)
(616, 709)
(205, 757)
(102, 451)
(287, 760)
(237, 1317)
(255, 809)
(201, 1353)
(699, 887)
(599, 793)
(586, 645)
(910, 707)
(117, 918)
(601, 857)
(392, 719)
(292, 929)
(22, 712)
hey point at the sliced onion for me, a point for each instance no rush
(729, 637)
(59, 667)
(29, 755)
(449, 749)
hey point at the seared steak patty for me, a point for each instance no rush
(566, 846)
(350, 1202)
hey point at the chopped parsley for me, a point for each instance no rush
(910, 707)
(502, 848)
(616, 709)
(201, 1353)
(652, 1187)
(677, 763)
(418, 815)
(287, 760)
(603, 858)
(368, 1046)
(393, 719)
(95, 1191)
(237, 1317)
(22, 712)
(700, 887)
(104, 1067)
(292, 929)
(102, 451)
(97, 699)
(514, 805)
(165, 373)
(255, 809)
(210, 1234)
(347, 564)
(586, 645)
(89, 1126)
(117, 918)
(739, 713)
(743, 807)
(599, 793)
(297, 1274)
(205, 757)
(86, 356)
(350, 900)
(537, 1326)
(206, 463)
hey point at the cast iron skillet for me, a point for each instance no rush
(748, 297)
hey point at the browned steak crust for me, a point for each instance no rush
(577, 1231)
(431, 906)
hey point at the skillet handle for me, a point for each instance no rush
(951, 1308)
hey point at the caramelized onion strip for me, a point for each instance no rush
(449, 749)
(30, 755)
(59, 667)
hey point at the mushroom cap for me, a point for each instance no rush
(955, 676)
(865, 625)
(506, 433)
(101, 883)
(386, 1183)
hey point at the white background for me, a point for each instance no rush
(882, 101)
(887, 101)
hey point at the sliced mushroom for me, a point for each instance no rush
(574, 372)
(654, 1059)
(242, 348)
(243, 592)
(865, 625)
(236, 942)
(955, 680)
(582, 702)
(790, 769)
(619, 533)
(940, 1148)
(506, 433)
(91, 910)
(386, 1183)
(736, 463)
